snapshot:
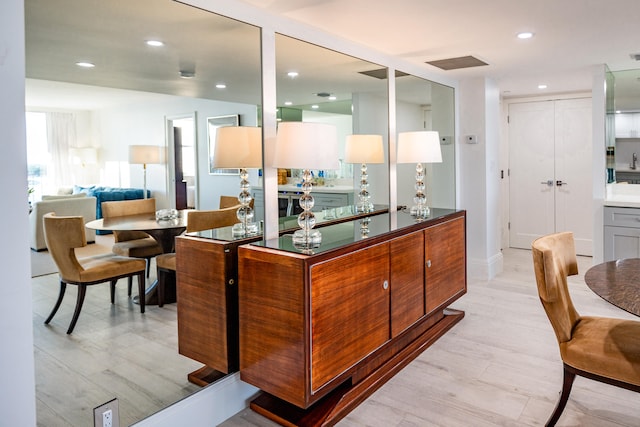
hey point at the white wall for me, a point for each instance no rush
(144, 124)
(17, 405)
(480, 184)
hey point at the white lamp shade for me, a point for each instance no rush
(145, 154)
(419, 147)
(305, 145)
(238, 147)
(363, 149)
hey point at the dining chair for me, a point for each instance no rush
(136, 244)
(65, 233)
(196, 221)
(599, 348)
(231, 201)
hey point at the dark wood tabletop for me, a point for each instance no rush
(617, 282)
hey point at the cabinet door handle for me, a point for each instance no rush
(385, 285)
(428, 263)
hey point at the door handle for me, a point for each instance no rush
(560, 183)
(548, 182)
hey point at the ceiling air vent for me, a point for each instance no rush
(381, 73)
(635, 56)
(456, 63)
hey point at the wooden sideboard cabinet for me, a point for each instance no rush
(321, 331)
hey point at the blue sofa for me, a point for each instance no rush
(109, 194)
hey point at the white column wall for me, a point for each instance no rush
(17, 388)
(479, 175)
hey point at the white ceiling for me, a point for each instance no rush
(571, 36)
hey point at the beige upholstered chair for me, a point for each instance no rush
(231, 201)
(196, 221)
(65, 233)
(137, 244)
(599, 348)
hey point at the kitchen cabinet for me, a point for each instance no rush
(621, 233)
(321, 330)
(627, 125)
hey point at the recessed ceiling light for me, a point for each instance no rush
(525, 35)
(292, 74)
(542, 86)
(332, 98)
(288, 103)
(187, 74)
(155, 43)
(85, 64)
(315, 107)
(221, 86)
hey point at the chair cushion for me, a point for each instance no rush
(166, 261)
(139, 248)
(605, 346)
(102, 267)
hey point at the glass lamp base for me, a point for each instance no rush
(239, 229)
(420, 211)
(304, 240)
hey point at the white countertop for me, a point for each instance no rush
(622, 195)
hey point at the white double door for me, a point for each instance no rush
(550, 162)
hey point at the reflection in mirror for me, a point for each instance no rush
(206, 66)
(623, 126)
(422, 105)
(315, 84)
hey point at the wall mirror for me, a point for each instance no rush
(425, 105)
(316, 84)
(623, 126)
(134, 92)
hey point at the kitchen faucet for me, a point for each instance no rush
(634, 159)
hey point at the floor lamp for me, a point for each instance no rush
(307, 146)
(145, 155)
(240, 147)
(419, 147)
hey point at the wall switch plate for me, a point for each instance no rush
(107, 415)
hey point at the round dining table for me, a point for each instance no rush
(164, 231)
(617, 282)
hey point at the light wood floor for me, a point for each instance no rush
(500, 366)
(114, 351)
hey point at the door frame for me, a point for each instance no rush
(170, 149)
(505, 153)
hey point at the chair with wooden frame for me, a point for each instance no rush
(136, 244)
(65, 233)
(599, 348)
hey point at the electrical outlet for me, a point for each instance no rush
(106, 415)
(107, 418)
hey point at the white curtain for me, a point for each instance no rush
(61, 134)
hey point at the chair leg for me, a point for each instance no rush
(162, 277)
(129, 285)
(148, 266)
(63, 288)
(82, 290)
(113, 291)
(141, 294)
(567, 383)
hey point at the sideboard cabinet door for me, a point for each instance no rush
(445, 259)
(407, 281)
(349, 311)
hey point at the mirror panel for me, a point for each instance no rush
(331, 87)
(623, 126)
(425, 105)
(129, 97)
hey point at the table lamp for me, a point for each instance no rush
(145, 155)
(240, 147)
(419, 147)
(364, 149)
(305, 145)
